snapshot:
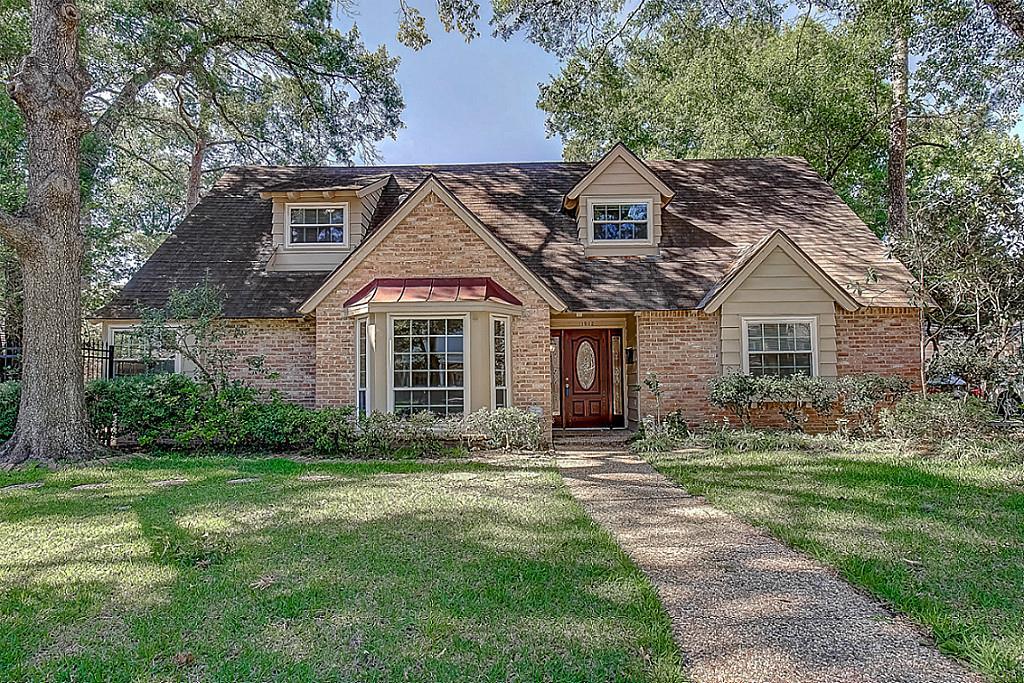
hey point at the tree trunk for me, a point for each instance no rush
(195, 173)
(53, 425)
(898, 202)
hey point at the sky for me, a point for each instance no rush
(464, 102)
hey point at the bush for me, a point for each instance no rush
(858, 397)
(420, 435)
(331, 431)
(863, 396)
(10, 395)
(508, 429)
(659, 436)
(936, 417)
(735, 392)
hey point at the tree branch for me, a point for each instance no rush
(1010, 14)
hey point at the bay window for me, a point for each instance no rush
(362, 368)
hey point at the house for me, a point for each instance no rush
(551, 286)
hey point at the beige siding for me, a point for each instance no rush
(360, 211)
(779, 287)
(368, 205)
(620, 181)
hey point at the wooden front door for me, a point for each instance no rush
(586, 378)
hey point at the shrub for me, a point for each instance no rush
(508, 429)
(856, 396)
(10, 395)
(389, 435)
(331, 431)
(936, 417)
(276, 425)
(863, 396)
(659, 436)
(735, 392)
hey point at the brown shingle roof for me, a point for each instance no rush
(720, 208)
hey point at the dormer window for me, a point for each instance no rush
(317, 225)
(620, 221)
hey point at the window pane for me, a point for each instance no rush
(636, 212)
(317, 225)
(431, 359)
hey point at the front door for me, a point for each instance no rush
(586, 378)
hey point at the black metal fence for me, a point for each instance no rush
(99, 360)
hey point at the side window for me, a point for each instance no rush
(500, 360)
(309, 225)
(620, 221)
(780, 347)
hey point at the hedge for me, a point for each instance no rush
(168, 410)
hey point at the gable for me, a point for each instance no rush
(430, 235)
(620, 167)
(779, 287)
(775, 249)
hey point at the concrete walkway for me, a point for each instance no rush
(744, 607)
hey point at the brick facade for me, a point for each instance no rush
(288, 349)
(433, 242)
(314, 359)
(683, 348)
(886, 341)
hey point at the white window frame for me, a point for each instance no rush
(467, 379)
(772, 320)
(334, 246)
(508, 360)
(362, 346)
(592, 201)
(128, 327)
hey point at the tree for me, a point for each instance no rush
(49, 90)
(753, 87)
(135, 50)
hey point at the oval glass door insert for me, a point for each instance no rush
(586, 364)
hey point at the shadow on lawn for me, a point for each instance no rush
(373, 576)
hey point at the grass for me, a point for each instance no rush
(386, 572)
(940, 540)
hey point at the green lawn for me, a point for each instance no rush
(386, 572)
(940, 541)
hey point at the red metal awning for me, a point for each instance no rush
(439, 290)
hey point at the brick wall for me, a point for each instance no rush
(886, 341)
(683, 348)
(433, 242)
(288, 348)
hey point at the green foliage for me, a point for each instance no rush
(10, 395)
(858, 397)
(736, 392)
(964, 245)
(862, 396)
(508, 429)
(750, 87)
(332, 430)
(419, 435)
(660, 435)
(936, 417)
